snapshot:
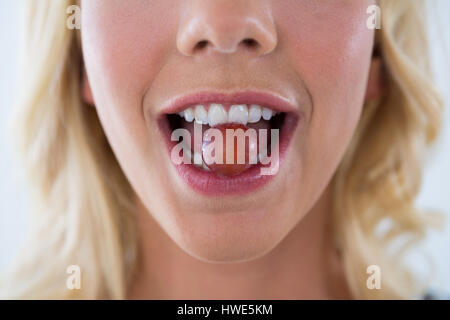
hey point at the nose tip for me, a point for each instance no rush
(227, 27)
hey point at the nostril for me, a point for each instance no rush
(250, 43)
(247, 43)
(201, 45)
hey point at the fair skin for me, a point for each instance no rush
(271, 242)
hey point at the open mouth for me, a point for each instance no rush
(265, 122)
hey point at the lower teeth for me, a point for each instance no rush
(202, 165)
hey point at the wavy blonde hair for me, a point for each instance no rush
(85, 212)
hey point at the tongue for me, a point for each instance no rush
(215, 157)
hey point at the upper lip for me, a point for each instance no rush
(270, 100)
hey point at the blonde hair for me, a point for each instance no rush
(84, 205)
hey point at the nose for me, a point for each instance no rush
(227, 26)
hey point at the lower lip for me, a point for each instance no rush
(211, 184)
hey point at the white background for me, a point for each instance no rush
(436, 187)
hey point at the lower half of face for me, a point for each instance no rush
(200, 70)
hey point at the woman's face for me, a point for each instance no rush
(307, 60)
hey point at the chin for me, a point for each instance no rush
(229, 237)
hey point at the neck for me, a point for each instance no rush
(298, 268)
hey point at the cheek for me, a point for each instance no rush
(123, 38)
(331, 51)
(125, 44)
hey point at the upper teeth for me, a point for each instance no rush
(216, 114)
